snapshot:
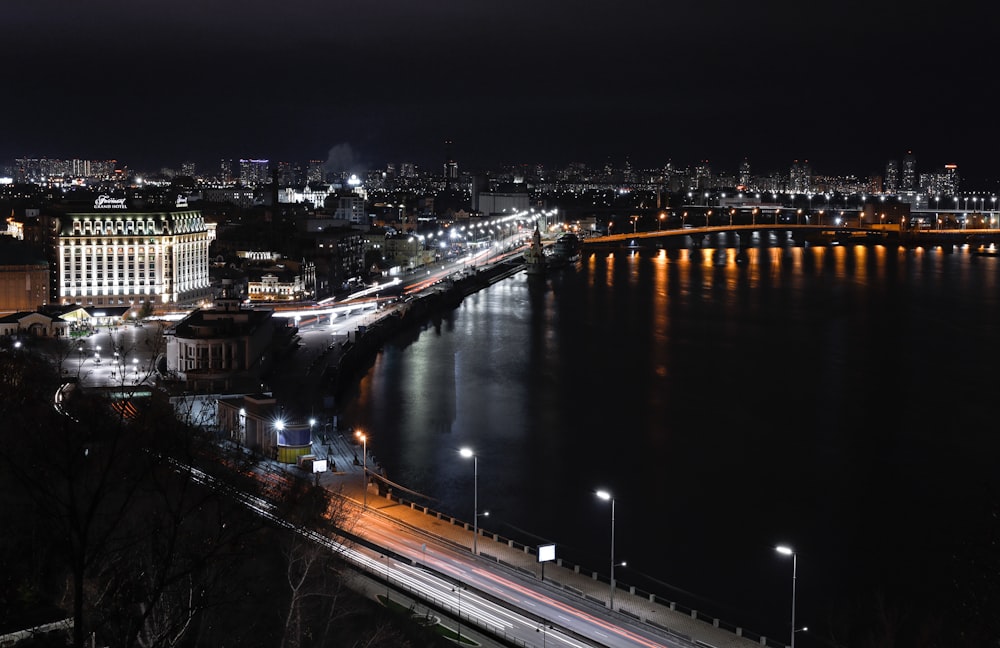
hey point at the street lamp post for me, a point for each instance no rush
(364, 465)
(467, 452)
(787, 551)
(606, 496)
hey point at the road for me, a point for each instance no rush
(476, 593)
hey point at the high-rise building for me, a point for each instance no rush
(254, 173)
(225, 171)
(800, 177)
(908, 180)
(188, 168)
(892, 177)
(314, 171)
(450, 165)
(950, 180)
(744, 174)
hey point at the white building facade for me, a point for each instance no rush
(112, 257)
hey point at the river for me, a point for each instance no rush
(837, 399)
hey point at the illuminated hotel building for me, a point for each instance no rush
(111, 257)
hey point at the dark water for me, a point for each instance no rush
(838, 399)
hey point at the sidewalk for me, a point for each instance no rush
(346, 477)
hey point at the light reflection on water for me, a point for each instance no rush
(834, 398)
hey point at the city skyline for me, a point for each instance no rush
(553, 84)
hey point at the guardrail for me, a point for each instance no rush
(653, 598)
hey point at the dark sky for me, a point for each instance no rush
(844, 85)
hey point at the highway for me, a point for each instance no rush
(476, 593)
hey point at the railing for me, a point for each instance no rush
(653, 598)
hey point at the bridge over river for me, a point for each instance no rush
(984, 238)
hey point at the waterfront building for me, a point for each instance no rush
(256, 421)
(340, 257)
(110, 255)
(501, 202)
(220, 347)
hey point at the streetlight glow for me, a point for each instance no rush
(785, 550)
(606, 496)
(466, 453)
(364, 465)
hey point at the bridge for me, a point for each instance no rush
(873, 233)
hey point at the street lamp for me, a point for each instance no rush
(606, 496)
(787, 551)
(467, 452)
(364, 464)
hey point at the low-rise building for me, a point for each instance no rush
(285, 281)
(257, 422)
(220, 347)
(33, 324)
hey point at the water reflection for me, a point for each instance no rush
(831, 397)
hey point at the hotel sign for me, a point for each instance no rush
(182, 201)
(105, 201)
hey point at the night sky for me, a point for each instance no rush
(846, 86)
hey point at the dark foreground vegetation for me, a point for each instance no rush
(100, 526)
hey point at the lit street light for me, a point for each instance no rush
(787, 551)
(467, 452)
(606, 496)
(364, 465)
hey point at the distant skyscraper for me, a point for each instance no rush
(892, 177)
(703, 175)
(253, 172)
(744, 175)
(225, 170)
(450, 165)
(188, 169)
(81, 168)
(908, 182)
(951, 179)
(286, 174)
(314, 171)
(800, 177)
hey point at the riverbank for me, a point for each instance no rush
(358, 355)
